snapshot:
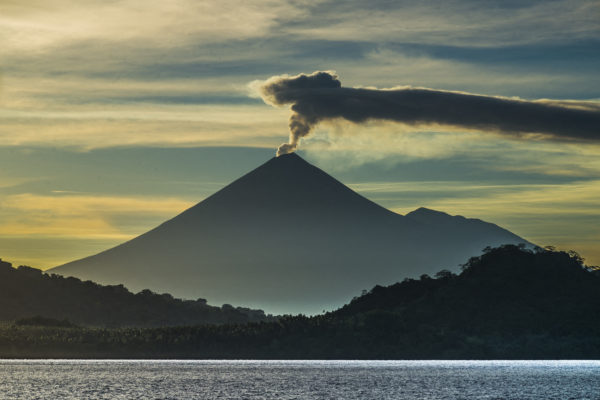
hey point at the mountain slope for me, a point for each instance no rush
(287, 238)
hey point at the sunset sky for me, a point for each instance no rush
(117, 115)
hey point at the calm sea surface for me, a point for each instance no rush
(68, 379)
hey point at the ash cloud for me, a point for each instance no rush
(320, 97)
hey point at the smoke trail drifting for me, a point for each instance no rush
(320, 96)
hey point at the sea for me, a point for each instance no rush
(244, 379)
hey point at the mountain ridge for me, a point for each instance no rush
(286, 237)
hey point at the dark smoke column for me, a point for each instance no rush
(298, 91)
(320, 96)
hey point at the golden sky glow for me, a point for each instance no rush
(115, 116)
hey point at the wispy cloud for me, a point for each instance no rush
(344, 147)
(40, 24)
(151, 126)
(451, 22)
(11, 181)
(82, 216)
(95, 55)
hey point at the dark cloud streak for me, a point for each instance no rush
(581, 55)
(320, 97)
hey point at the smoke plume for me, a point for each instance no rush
(320, 96)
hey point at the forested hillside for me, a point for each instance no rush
(27, 292)
(510, 303)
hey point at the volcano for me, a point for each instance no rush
(288, 238)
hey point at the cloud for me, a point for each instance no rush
(456, 22)
(346, 146)
(144, 124)
(41, 24)
(9, 182)
(320, 97)
(82, 216)
(60, 56)
(48, 230)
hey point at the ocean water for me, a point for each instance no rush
(145, 379)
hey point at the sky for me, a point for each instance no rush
(117, 115)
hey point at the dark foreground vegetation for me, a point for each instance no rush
(27, 292)
(510, 303)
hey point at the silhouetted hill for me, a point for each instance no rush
(509, 303)
(33, 297)
(288, 238)
(507, 290)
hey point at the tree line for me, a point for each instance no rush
(27, 292)
(508, 303)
